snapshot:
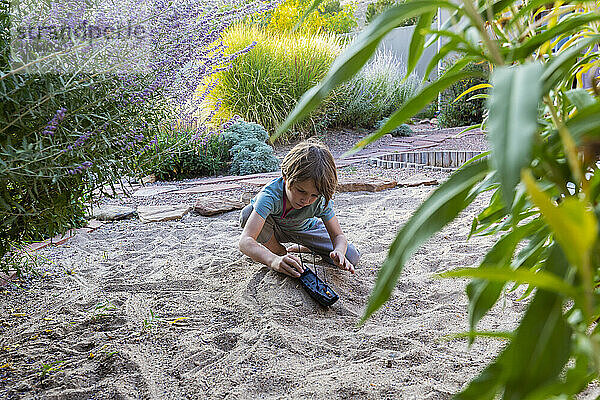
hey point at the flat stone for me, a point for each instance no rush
(418, 180)
(365, 185)
(154, 190)
(162, 213)
(112, 213)
(205, 188)
(94, 224)
(213, 205)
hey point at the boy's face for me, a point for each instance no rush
(302, 193)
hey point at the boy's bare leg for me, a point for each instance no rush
(276, 247)
(298, 248)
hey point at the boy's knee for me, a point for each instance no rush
(245, 214)
(352, 254)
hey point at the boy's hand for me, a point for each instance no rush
(340, 260)
(288, 264)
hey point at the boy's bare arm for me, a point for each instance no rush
(285, 263)
(340, 244)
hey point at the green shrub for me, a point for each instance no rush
(186, 153)
(376, 8)
(77, 115)
(465, 111)
(242, 130)
(329, 17)
(374, 93)
(249, 152)
(264, 84)
(57, 153)
(402, 130)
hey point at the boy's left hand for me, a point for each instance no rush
(340, 260)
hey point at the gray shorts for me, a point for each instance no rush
(317, 238)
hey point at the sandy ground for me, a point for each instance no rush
(173, 310)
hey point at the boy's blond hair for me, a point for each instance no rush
(311, 159)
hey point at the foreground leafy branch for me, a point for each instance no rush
(543, 127)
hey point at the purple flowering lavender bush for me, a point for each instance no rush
(86, 93)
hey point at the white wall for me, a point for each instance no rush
(398, 42)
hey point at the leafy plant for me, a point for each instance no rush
(76, 114)
(48, 369)
(264, 84)
(249, 152)
(457, 110)
(542, 170)
(188, 153)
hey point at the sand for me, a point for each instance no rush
(173, 310)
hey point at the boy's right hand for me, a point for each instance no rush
(288, 264)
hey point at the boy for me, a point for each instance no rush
(297, 208)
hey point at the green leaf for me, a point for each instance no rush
(577, 379)
(444, 204)
(539, 351)
(542, 344)
(560, 67)
(586, 123)
(503, 274)
(483, 292)
(573, 222)
(417, 41)
(356, 55)
(580, 98)
(512, 121)
(566, 26)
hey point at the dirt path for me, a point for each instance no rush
(172, 310)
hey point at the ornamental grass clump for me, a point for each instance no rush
(542, 171)
(264, 84)
(84, 91)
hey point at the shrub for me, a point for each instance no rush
(264, 84)
(402, 130)
(464, 111)
(249, 152)
(372, 94)
(376, 8)
(242, 130)
(188, 153)
(329, 17)
(69, 128)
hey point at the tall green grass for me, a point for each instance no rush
(372, 94)
(264, 84)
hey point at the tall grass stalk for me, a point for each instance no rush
(264, 84)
